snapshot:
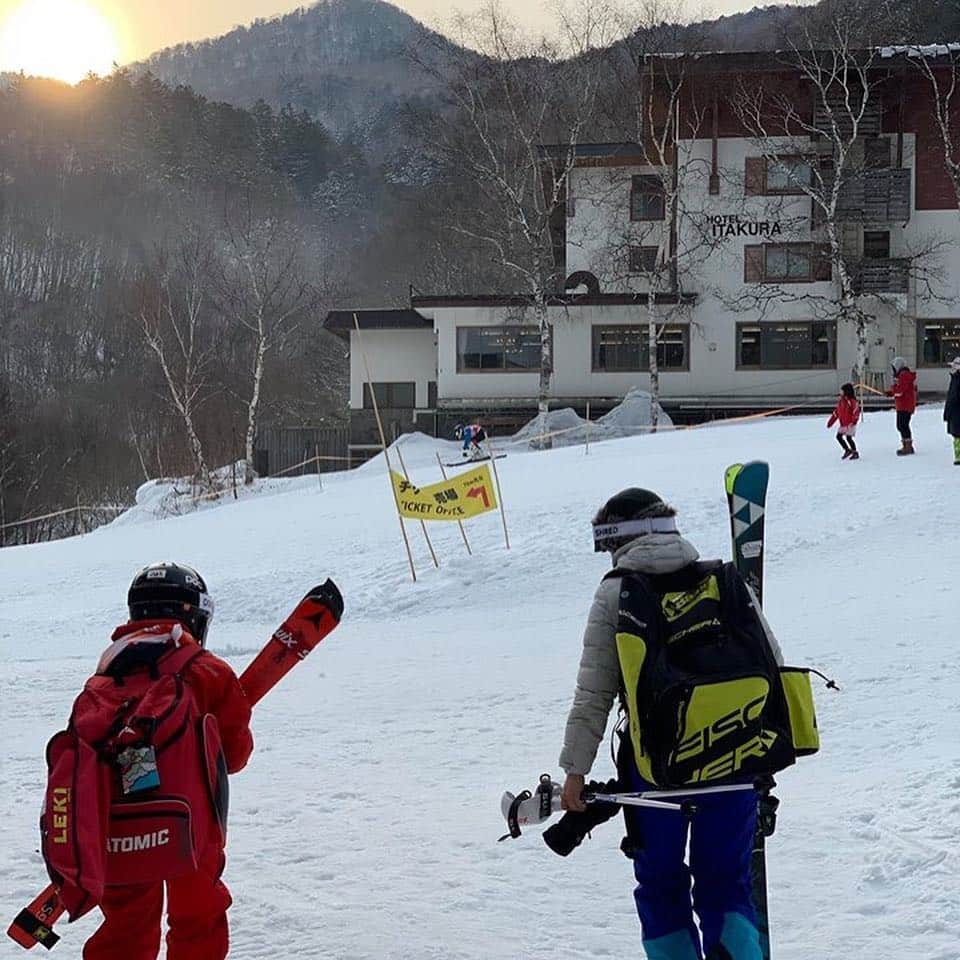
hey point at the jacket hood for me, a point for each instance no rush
(656, 553)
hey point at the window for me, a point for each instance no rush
(786, 346)
(390, 395)
(786, 263)
(784, 176)
(643, 259)
(876, 153)
(938, 342)
(624, 349)
(647, 198)
(510, 349)
(789, 175)
(876, 244)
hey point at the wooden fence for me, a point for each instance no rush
(287, 450)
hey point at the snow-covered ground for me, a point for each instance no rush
(366, 824)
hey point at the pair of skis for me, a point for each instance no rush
(317, 615)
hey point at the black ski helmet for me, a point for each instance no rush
(616, 521)
(171, 591)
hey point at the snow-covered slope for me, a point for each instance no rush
(366, 824)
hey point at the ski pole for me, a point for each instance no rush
(631, 799)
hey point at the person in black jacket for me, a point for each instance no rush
(951, 409)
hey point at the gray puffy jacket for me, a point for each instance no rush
(598, 680)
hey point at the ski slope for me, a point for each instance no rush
(366, 823)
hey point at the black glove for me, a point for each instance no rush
(568, 833)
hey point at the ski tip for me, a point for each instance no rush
(328, 593)
(27, 931)
(731, 475)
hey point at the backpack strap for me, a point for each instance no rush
(160, 651)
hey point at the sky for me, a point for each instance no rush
(139, 27)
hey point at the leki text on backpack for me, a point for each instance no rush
(137, 783)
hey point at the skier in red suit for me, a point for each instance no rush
(164, 596)
(904, 393)
(847, 412)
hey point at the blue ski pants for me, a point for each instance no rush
(720, 841)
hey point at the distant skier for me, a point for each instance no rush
(657, 580)
(904, 393)
(847, 412)
(951, 409)
(472, 436)
(182, 777)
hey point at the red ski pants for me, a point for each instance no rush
(196, 915)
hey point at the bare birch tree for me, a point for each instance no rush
(824, 147)
(940, 66)
(262, 289)
(175, 318)
(654, 102)
(515, 117)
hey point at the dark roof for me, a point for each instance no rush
(568, 300)
(341, 322)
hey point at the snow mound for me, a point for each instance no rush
(634, 415)
(178, 496)
(414, 450)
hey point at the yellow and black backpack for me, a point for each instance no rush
(706, 701)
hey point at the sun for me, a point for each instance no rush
(64, 39)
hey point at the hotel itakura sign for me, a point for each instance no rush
(732, 225)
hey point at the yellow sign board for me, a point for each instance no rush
(459, 498)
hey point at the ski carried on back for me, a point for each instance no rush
(746, 485)
(314, 617)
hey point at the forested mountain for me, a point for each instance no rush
(352, 64)
(346, 62)
(104, 188)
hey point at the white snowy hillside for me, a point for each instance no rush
(366, 824)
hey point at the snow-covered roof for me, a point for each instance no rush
(925, 50)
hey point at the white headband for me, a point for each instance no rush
(635, 528)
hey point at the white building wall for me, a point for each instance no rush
(600, 232)
(393, 356)
(713, 270)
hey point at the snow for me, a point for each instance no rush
(365, 826)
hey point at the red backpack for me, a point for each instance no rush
(137, 783)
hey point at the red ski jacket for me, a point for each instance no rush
(847, 411)
(904, 391)
(217, 691)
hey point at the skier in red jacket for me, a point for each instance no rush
(904, 393)
(164, 595)
(847, 412)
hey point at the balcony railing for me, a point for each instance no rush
(876, 196)
(872, 276)
(841, 107)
